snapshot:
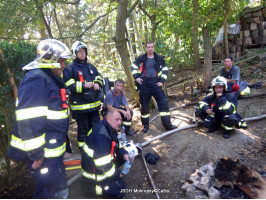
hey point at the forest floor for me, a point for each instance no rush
(183, 152)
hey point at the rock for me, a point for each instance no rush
(193, 193)
(185, 186)
(213, 193)
(204, 184)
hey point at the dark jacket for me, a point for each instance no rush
(82, 99)
(138, 67)
(41, 123)
(97, 162)
(227, 103)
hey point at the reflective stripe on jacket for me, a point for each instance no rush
(226, 103)
(138, 67)
(82, 99)
(97, 161)
(41, 123)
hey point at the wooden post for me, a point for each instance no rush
(207, 69)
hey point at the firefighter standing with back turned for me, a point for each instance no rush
(39, 134)
(84, 82)
(150, 73)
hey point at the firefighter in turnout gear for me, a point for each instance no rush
(84, 82)
(39, 134)
(101, 157)
(150, 73)
(220, 109)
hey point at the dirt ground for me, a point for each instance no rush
(184, 151)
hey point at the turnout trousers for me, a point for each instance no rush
(85, 122)
(148, 88)
(125, 122)
(111, 188)
(227, 122)
(50, 179)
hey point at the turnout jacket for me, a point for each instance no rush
(227, 103)
(82, 99)
(138, 67)
(41, 123)
(97, 161)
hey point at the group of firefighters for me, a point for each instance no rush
(42, 116)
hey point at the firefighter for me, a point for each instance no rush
(39, 134)
(101, 157)
(116, 100)
(150, 73)
(84, 82)
(220, 109)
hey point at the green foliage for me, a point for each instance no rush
(15, 55)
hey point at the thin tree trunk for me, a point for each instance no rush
(132, 36)
(207, 69)
(195, 35)
(226, 13)
(120, 42)
(48, 28)
(42, 30)
(11, 80)
(57, 22)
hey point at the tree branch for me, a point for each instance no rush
(67, 2)
(57, 22)
(43, 18)
(95, 21)
(145, 12)
(132, 7)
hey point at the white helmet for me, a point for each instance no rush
(219, 80)
(129, 146)
(48, 52)
(77, 46)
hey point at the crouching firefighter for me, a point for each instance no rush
(219, 108)
(40, 131)
(101, 157)
(84, 82)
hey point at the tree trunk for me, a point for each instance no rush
(207, 69)
(42, 30)
(121, 46)
(195, 35)
(10, 76)
(132, 36)
(226, 13)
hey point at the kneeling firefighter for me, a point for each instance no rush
(40, 131)
(219, 108)
(102, 156)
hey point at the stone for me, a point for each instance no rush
(204, 184)
(213, 193)
(185, 186)
(193, 193)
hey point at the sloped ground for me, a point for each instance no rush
(185, 151)
(182, 152)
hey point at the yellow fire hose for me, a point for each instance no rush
(71, 168)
